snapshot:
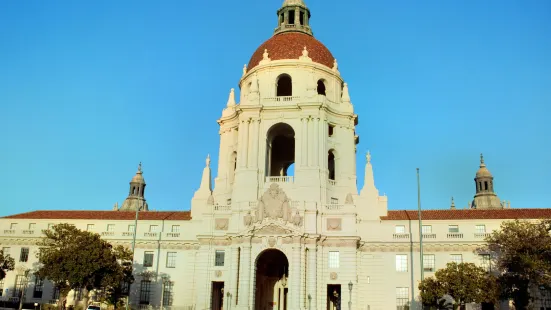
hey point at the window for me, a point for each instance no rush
(291, 17)
(1, 287)
(171, 260)
(331, 130)
(331, 164)
(480, 229)
(6, 251)
(486, 262)
(167, 295)
(175, 228)
(32, 226)
(400, 229)
(334, 259)
(55, 293)
(426, 229)
(110, 227)
(334, 201)
(145, 291)
(78, 294)
(428, 262)
(20, 282)
(401, 262)
(148, 259)
(153, 228)
(453, 228)
(402, 298)
(90, 227)
(219, 258)
(24, 255)
(456, 258)
(321, 87)
(284, 85)
(131, 228)
(38, 286)
(13, 226)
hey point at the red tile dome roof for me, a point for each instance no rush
(289, 45)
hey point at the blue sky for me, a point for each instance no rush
(89, 89)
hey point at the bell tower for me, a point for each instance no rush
(485, 197)
(294, 124)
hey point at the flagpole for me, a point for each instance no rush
(420, 225)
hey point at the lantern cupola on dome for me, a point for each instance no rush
(293, 16)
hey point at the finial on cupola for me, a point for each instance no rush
(231, 99)
(345, 96)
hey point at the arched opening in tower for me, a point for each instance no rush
(280, 149)
(272, 272)
(321, 87)
(284, 85)
(331, 165)
(232, 166)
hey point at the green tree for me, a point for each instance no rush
(521, 255)
(7, 263)
(73, 259)
(465, 282)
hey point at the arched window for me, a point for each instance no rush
(331, 165)
(321, 87)
(280, 150)
(284, 85)
(232, 166)
(134, 190)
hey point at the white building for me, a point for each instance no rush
(263, 239)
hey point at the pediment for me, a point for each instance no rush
(271, 228)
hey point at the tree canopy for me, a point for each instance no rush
(7, 263)
(465, 282)
(521, 255)
(73, 259)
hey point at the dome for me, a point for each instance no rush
(289, 45)
(138, 178)
(483, 172)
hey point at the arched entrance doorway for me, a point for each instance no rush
(272, 271)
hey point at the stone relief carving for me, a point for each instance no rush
(218, 273)
(221, 224)
(248, 219)
(272, 241)
(273, 229)
(333, 276)
(334, 224)
(274, 204)
(349, 199)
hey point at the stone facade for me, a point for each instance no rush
(284, 226)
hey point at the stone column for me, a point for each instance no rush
(304, 144)
(254, 141)
(312, 276)
(246, 124)
(297, 17)
(317, 140)
(310, 139)
(295, 275)
(245, 274)
(323, 152)
(233, 277)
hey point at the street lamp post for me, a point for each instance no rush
(350, 295)
(309, 302)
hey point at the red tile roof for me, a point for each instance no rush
(103, 215)
(469, 214)
(289, 45)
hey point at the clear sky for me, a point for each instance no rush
(90, 88)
